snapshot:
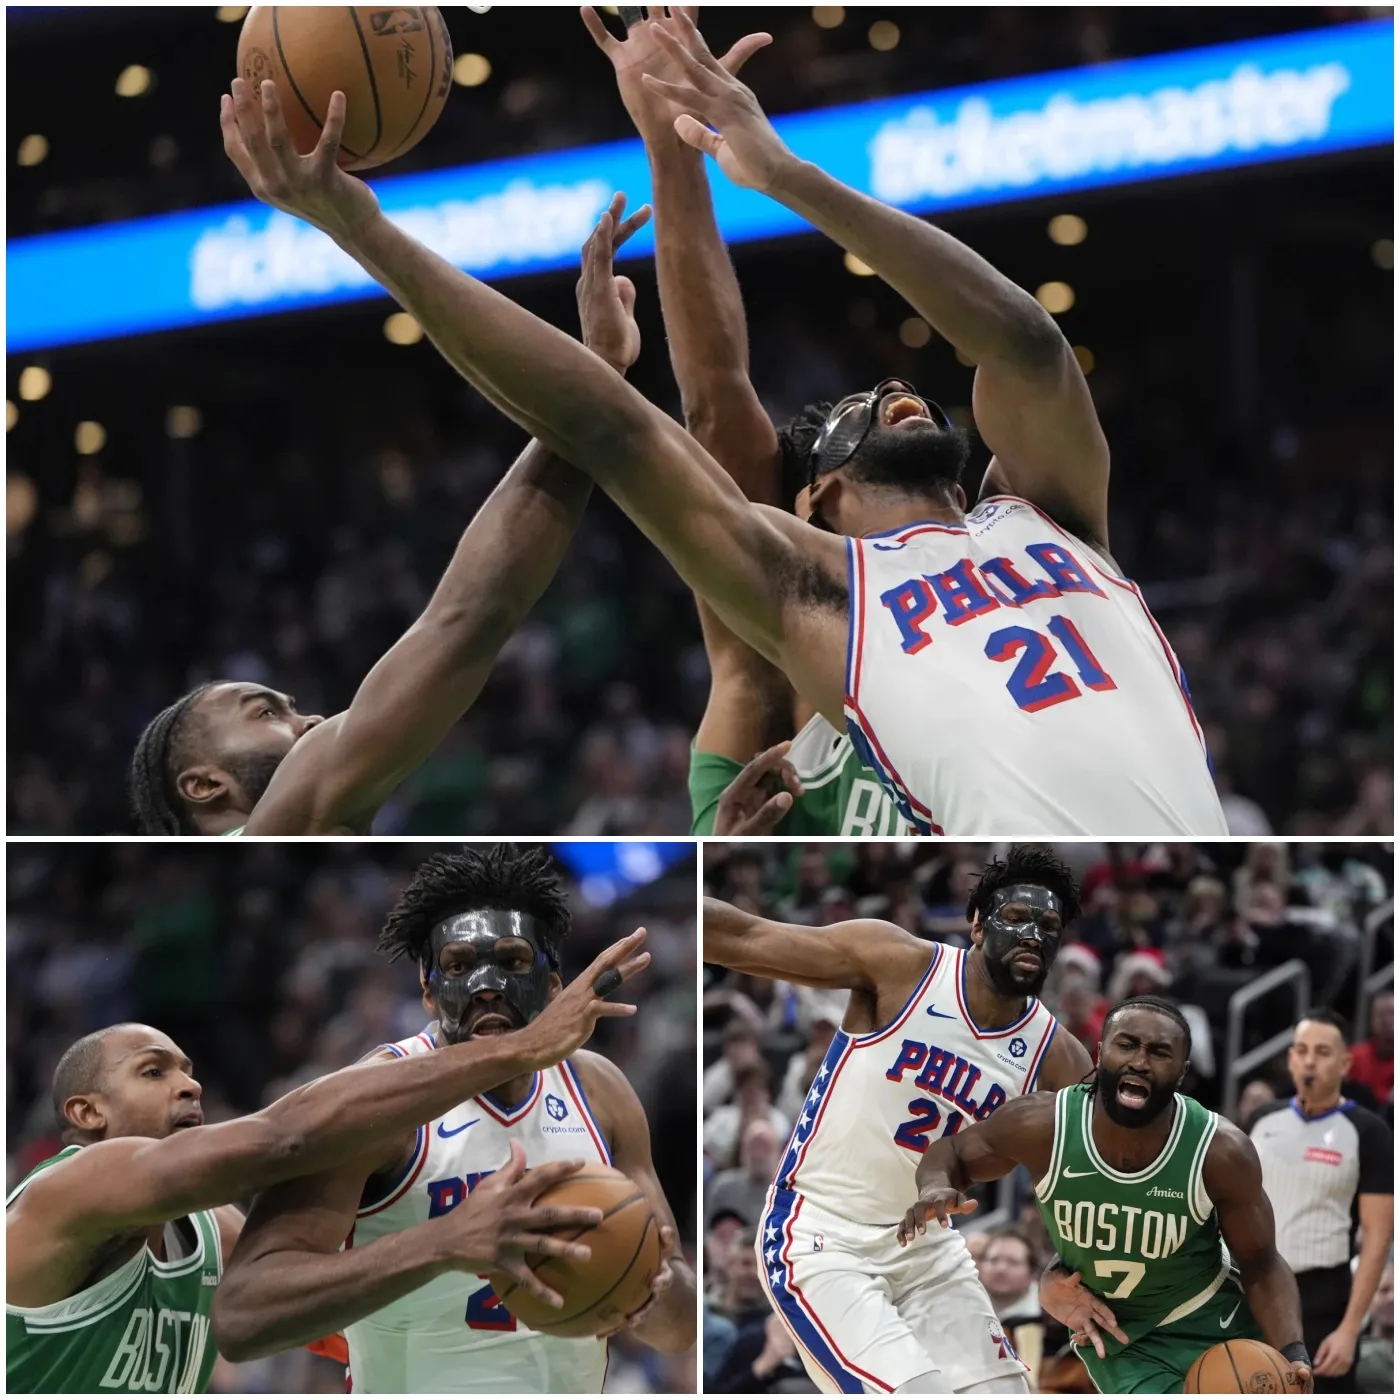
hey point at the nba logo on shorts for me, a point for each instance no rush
(555, 1107)
(1000, 1340)
(818, 1243)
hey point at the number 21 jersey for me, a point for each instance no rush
(452, 1335)
(1003, 680)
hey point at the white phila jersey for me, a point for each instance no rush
(879, 1099)
(1001, 680)
(451, 1335)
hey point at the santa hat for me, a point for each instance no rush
(1148, 961)
(1079, 957)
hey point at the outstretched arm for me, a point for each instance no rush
(342, 771)
(1019, 1133)
(1030, 400)
(122, 1184)
(750, 701)
(751, 563)
(290, 1283)
(859, 955)
(1235, 1184)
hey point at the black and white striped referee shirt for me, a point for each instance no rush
(1314, 1169)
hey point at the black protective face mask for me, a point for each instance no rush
(526, 994)
(1001, 939)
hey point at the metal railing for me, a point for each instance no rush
(1369, 982)
(1238, 1064)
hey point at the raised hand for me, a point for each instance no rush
(568, 1020)
(500, 1223)
(642, 53)
(312, 187)
(743, 141)
(745, 808)
(606, 302)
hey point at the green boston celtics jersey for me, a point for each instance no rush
(1147, 1241)
(143, 1328)
(841, 796)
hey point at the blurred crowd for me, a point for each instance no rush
(1193, 923)
(259, 961)
(1242, 365)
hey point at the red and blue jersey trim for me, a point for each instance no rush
(960, 987)
(509, 1116)
(396, 1188)
(862, 732)
(573, 1082)
(1038, 1059)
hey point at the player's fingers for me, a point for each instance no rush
(539, 1218)
(744, 50)
(697, 134)
(790, 779)
(626, 294)
(524, 1276)
(278, 142)
(603, 1009)
(1094, 1337)
(630, 225)
(691, 42)
(250, 122)
(769, 761)
(514, 1168)
(531, 1243)
(328, 147)
(668, 1243)
(593, 23)
(768, 816)
(234, 148)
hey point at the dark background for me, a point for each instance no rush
(259, 961)
(1241, 328)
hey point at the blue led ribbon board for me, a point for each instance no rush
(1143, 119)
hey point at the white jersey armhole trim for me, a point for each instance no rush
(1201, 1298)
(1198, 1197)
(1045, 1187)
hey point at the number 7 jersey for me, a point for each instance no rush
(1002, 680)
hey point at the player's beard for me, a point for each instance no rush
(1011, 981)
(1159, 1097)
(252, 771)
(918, 458)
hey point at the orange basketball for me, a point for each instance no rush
(394, 67)
(598, 1292)
(1242, 1367)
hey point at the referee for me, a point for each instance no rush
(1327, 1168)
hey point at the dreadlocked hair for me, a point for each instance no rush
(1027, 865)
(522, 880)
(795, 442)
(156, 807)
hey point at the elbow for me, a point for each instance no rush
(235, 1326)
(1033, 341)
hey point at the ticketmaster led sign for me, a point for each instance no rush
(1207, 109)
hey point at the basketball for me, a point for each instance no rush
(394, 67)
(600, 1291)
(1242, 1368)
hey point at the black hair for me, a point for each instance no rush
(520, 879)
(796, 439)
(81, 1069)
(1026, 865)
(157, 809)
(1151, 1004)
(1328, 1017)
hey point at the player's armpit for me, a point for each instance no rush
(859, 954)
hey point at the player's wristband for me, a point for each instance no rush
(1296, 1352)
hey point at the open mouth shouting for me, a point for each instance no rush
(899, 408)
(1133, 1092)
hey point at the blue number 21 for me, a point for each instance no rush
(485, 1312)
(1033, 685)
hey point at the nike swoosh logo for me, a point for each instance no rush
(444, 1132)
(942, 1015)
(1226, 1320)
(1067, 1172)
